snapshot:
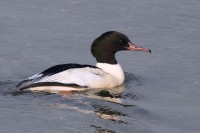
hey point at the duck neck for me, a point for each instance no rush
(108, 58)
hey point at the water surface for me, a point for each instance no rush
(161, 93)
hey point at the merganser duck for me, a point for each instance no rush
(68, 77)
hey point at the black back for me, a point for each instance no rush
(63, 67)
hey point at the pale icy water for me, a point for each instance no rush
(162, 91)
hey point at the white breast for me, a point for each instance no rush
(115, 71)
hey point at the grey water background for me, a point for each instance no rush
(163, 87)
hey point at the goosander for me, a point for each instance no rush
(68, 77)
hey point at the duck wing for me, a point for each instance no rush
(71, 75)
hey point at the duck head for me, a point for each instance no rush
(105, 46)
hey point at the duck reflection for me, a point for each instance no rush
(101, 103)
(106, 104)
(102, 130)
(108, 113)
(112, 95)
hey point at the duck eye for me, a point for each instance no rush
(121, 42)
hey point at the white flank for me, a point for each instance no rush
(89, 77)
(108, 76)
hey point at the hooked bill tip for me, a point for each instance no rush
(149, 50)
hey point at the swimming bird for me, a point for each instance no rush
(68, 77)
